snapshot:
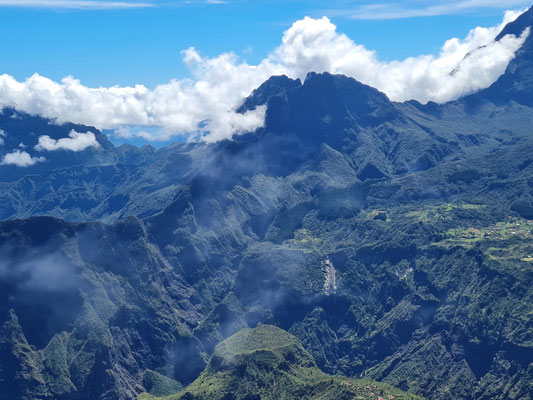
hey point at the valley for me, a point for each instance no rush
(352, 248)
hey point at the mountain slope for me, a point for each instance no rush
(85, 309)
(104, 183)
(517, 81)
(268, 363)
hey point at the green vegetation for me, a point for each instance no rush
(269, 363)
(303, 240)
(160, 385)
(518, 228)
(510, 240)
(441, 212)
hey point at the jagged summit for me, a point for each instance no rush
(325, 108)
(518, 26)
(331, 96)
(322, 95)
(277, 85)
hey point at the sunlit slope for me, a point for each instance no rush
(269, 363)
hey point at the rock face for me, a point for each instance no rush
(392, 239)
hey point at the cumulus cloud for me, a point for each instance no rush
(461, 67)
(20, 159)
(2, 136)
(204, 106)
(178, 106)
(75, 142)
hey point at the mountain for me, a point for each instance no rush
(103, 183)
(269, 363)
(515, 85)
(393, 240)
(87, 308)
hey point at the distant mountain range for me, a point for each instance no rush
(351, 236)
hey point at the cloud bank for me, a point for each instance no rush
(21, 159)
(204, 107)
(75, 142)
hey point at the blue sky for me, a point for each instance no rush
(106, 43)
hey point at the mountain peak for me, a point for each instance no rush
(326, 100)
(278, 85)
(316, 85)
(518, 26)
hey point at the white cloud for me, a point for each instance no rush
(75, 142)
(2, 136)
(74, 4)
(20, 159)
(178, 106)
(316, 45)
(123, 132)
(203, 107)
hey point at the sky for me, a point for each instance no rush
(159, 69)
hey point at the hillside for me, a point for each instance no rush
(268, 363)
